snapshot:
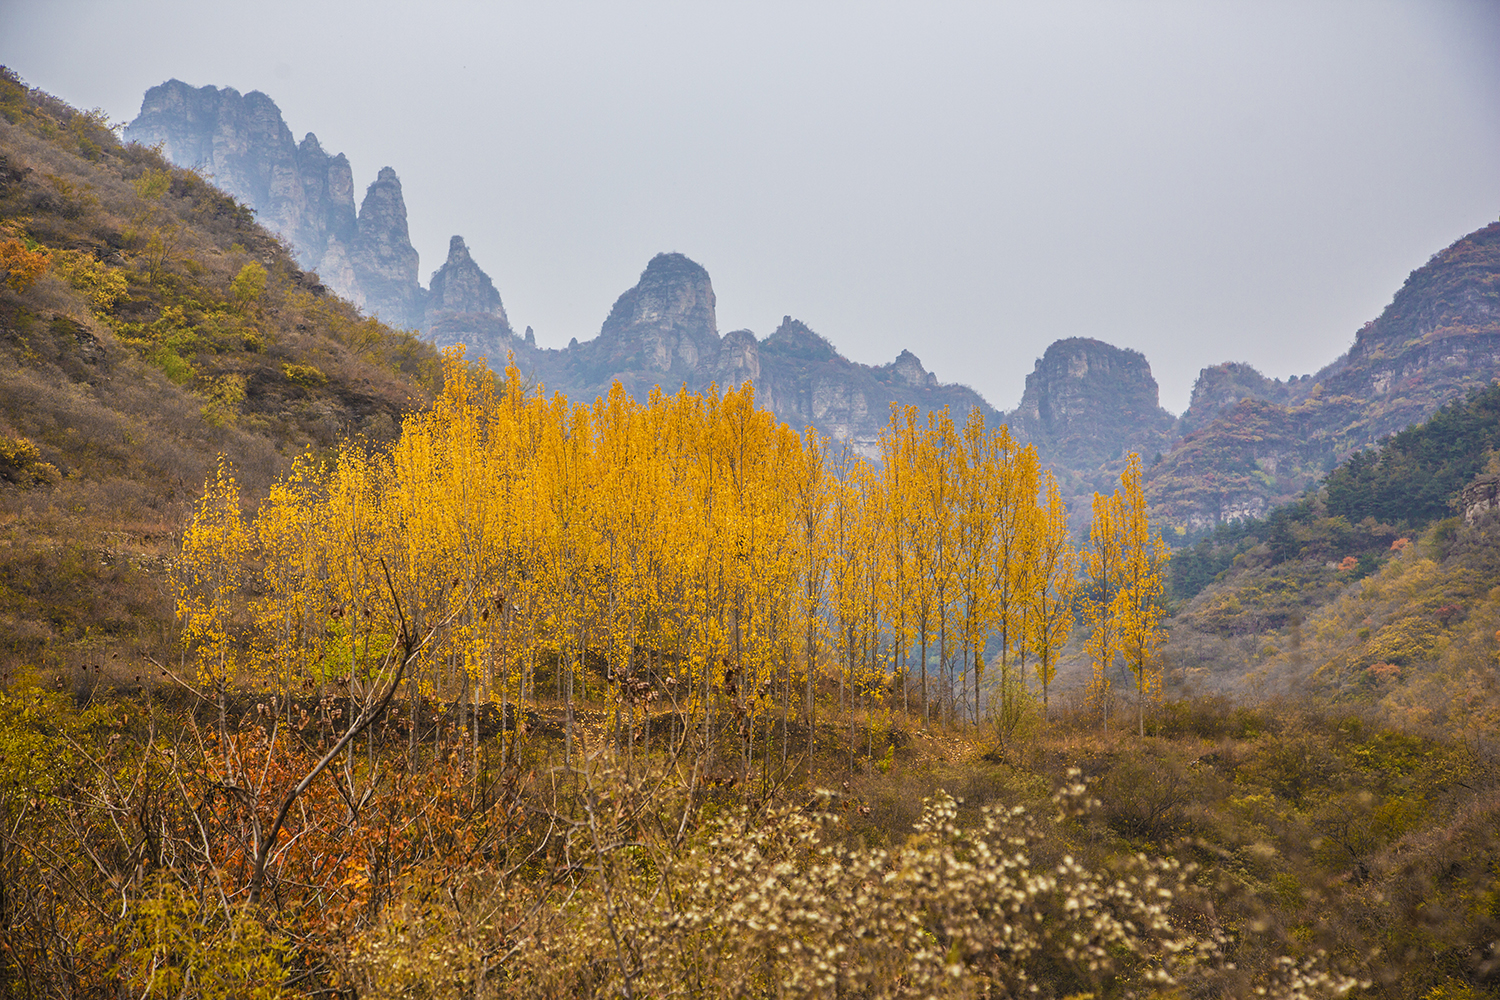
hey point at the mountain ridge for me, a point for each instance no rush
(1245, 443)
(1439, 337)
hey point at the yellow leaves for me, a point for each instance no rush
(23, 264)
(152, 184)
(307, 376)
(223, 395)
(209, 572)
(172, 945)
(103, 286)
(21, 463)
(248, 284)
(693, 537)
(1054, 585)
(1123, 568)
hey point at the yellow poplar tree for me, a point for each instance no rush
(980, 469)
(1050, 619)
(895, 466)
(209, 574)
(1142, 561)
(1102, 580)
(937, 486)
(1014, 564)
(811, 497)
(292, 609)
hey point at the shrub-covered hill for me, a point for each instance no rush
(1439, 337)
(147, 325)
(1378, 587)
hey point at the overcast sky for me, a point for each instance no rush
(1202, 181)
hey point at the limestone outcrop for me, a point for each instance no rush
(383, 259)
(664, 332)
(1088, 405)
(1439, 337)
(464, 308)
(242, 143)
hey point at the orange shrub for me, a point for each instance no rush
(22, 266)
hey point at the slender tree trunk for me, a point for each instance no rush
(926, 712)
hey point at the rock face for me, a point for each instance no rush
(661, 332)
(459, 286)
(1439, 337)
(1087, 405)
(1480, 498)
(383, 259)
(326, 224)
(464, 308)
(1220, 387)
(299, 191)
(240, 141)
(664, 332)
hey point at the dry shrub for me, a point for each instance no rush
(1146, 798)
(786, 904)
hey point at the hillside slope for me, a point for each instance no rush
(1380, 587)
(1439, 336)
(148, 325)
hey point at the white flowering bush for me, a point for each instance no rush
(787, 905)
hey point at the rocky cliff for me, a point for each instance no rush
(661, 332)
(1219, 387)
(298, 191)
(1439, 337)
(243, 144)
(1087, 405)
(664, 332)
(382, 257)
(464, 308)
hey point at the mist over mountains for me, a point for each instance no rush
(1245, 443)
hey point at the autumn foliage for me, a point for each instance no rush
(22, 265)
(690, 553)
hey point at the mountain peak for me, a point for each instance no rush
(383, 259)
(674, 266)
(458, 251)
(673, 301)
(908, 368)
(460, 286)
(296, 190)
(1088, 403)
(463, 307)
(795, 339)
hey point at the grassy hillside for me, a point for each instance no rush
(1378, 588)
(148, 324)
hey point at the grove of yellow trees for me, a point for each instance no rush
(688, 558)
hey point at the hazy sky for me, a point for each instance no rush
(1203, 181)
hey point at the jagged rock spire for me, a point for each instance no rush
(385, 262)
(464, 307)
